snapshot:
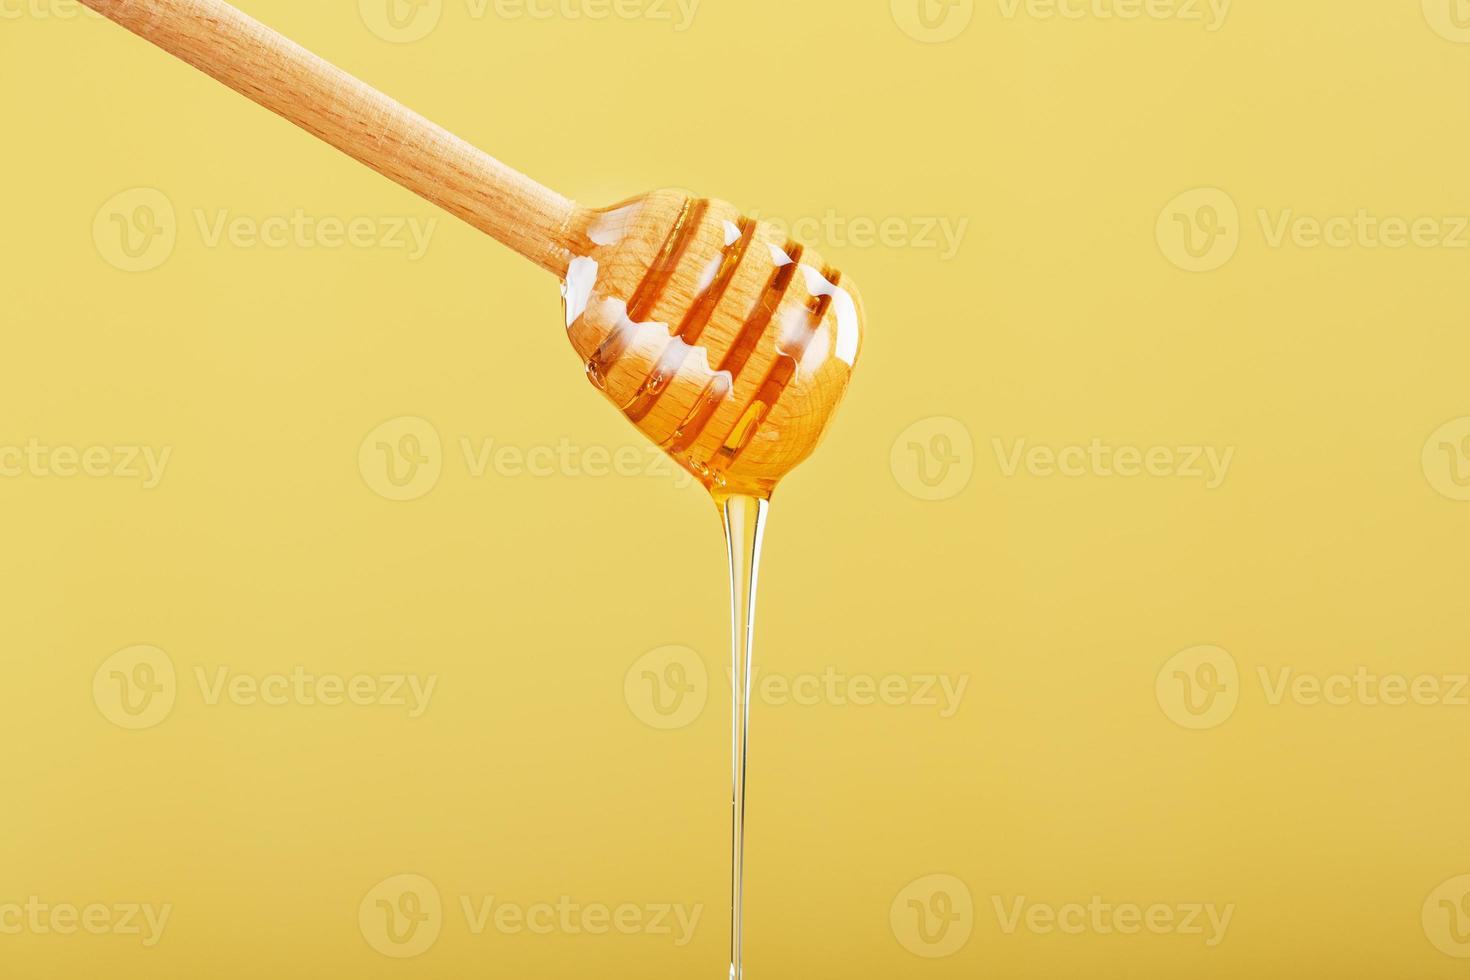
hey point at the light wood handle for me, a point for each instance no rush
(360, 121)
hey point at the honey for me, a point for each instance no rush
(729, 347)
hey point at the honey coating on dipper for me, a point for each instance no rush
(727, 345)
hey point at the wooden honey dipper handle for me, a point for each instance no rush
(360, 121)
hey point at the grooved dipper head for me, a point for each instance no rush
(722, 341)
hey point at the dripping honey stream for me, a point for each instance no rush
(706, 342)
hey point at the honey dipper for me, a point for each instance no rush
(722, 341)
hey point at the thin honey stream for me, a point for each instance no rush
(745, 525)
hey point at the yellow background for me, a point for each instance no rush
(1062, 318)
